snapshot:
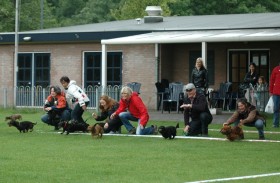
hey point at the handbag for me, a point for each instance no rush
(269, 106)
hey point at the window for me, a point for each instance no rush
(33, 69)
(93, 68)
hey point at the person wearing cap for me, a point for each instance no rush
(56, 108)
(196, 108)
(199, 77)
(77, 96)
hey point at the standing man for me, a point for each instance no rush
(274, 90)
(78, 97)
(196, 107)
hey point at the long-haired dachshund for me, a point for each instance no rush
(168, 131)
(232, 133)
(96, 130)
(23, 126)
(72, 126)
(14, 117)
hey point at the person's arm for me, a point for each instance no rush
(232, 119)
(251, 117)
(199, 103)
(141, 108)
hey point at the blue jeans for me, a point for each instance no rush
(65, 115)
(126, 116)
(276, 108)
(258, 124)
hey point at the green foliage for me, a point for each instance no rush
(135, 8)
(58, 13)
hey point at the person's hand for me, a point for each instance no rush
(113, 115)
(84, 107)
(186, 106)
(106, 125)
(48, 109)
(94, 115)
(186, 129)
(240, 123)
(225, 124)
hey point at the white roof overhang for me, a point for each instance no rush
(199, 36)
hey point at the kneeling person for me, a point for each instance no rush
(56, 106)
(196, 107)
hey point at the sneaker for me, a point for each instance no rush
(155, 131)
(132, 131)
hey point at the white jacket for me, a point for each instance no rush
(76, 93)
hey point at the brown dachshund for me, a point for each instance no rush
(96, 130)
(232, 133)
(14, 117)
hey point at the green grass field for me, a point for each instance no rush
(47, 156)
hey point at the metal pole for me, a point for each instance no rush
(42, 14)
(16, 52)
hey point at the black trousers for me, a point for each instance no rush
(200, 126)
(114, 125)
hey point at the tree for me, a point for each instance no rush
(135, 8)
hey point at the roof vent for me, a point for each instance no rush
(154, 14)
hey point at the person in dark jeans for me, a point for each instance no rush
(108, 106)
(247, 115)
(56, 108)
(196, 107)
(78, 97)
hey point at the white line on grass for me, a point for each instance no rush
(159, 136)
(236, 178)
(247, 131)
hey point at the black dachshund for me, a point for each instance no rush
(168, 131)
(23, 126)
(72, 126)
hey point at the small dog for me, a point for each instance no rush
(232, 133)
(72, 126)
(23, 126)
(169, 131)
(14, 117)
(96, 130)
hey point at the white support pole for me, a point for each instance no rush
(204, 53)
(104, 68)
(16, 52)
(157, 62)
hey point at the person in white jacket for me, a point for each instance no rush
(78, 97)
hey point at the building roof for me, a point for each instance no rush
(116, 29)
(203, 22)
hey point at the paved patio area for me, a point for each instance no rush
(179, 117)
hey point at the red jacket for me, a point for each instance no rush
(274, 86)
(136, 107)
(59, 102)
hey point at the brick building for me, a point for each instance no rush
(145, 50)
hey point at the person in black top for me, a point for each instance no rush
(199, 77)
(108, 106)
(251, 77)
(196, 107)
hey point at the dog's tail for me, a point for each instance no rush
(177, 126)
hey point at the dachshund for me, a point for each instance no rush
(23, 126)
(169, 131)
(14, 117)
(232, 133)
(72, 126)
(96, 130)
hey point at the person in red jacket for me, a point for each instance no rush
(132, 108)
(56, 107)
(274, 90)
